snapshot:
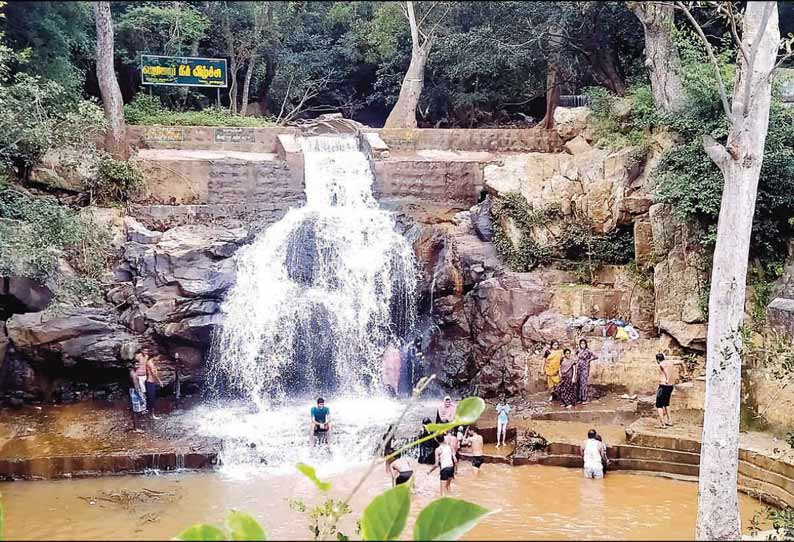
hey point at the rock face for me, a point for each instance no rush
(593, 185)
(166, 296)
(680, 278)
(85, 334)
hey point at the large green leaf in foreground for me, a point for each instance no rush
(384, 518)
(447, 519)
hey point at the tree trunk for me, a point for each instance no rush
(264, 89)
(112, 102)
(403, 115)
(249, 72)
(661, 55)
(606, 67)
(552, 94)
(229, 38)
(740, 163)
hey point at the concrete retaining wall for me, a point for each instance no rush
(458, 139)
(206, 138)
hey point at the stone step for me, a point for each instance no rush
(43, 468)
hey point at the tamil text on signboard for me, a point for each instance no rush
(183, 71)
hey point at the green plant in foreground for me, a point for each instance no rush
(385, 516)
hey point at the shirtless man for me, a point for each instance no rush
(152, 381)
(668, 374)
(446, 461)
(475, 441)
(401, 469)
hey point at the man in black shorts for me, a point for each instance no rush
(445, 460)
(667, 378)
(475, 441)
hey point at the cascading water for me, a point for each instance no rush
(320, 293)
(318, 297)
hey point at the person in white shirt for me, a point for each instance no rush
(445, 460)
(593, 455)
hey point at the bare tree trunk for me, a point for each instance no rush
(552, 94)
(229, 38)
(403, 115)
(249, 72)
(740, 163)
(264, 88)
(661, 54)
(604, 60)
(112, 101)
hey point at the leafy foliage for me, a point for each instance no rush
(115, 180)
(447, 519)
(568, 238)
(384, 518)
(685, 176)
(35, 232)
(147, 110)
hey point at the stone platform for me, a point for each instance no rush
(95, 438)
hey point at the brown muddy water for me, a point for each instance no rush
(533, 502)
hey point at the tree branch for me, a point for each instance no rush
(750, 68)
(723, 94)
(716, 151)
(412, 22)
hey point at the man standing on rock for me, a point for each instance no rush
(668, 374)
(151, 380)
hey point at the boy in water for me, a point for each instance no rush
(668, 375)
(475, 441)
(446, 461)
(401, 469)
(321, 422)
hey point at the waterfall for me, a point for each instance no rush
(320, 293)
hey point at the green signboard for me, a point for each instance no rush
(183, 71)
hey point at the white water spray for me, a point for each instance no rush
(320, 293)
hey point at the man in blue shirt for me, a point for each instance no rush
(321, 422)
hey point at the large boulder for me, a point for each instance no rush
(65, 169)
(571, 121)
(545, 327)
(22, 294)
(87, 334)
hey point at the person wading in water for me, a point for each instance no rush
(401, 469)
(445, 460)
(475, 441)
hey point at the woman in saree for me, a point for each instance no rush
(583, 358)
(551, 367)
(566, 390)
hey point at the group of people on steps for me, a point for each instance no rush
(568, 374)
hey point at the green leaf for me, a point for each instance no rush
(384, 517)
(244, 527)
(447, 519)
(202, 531)
(441, 427)
(469, 410)
(308, 472)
